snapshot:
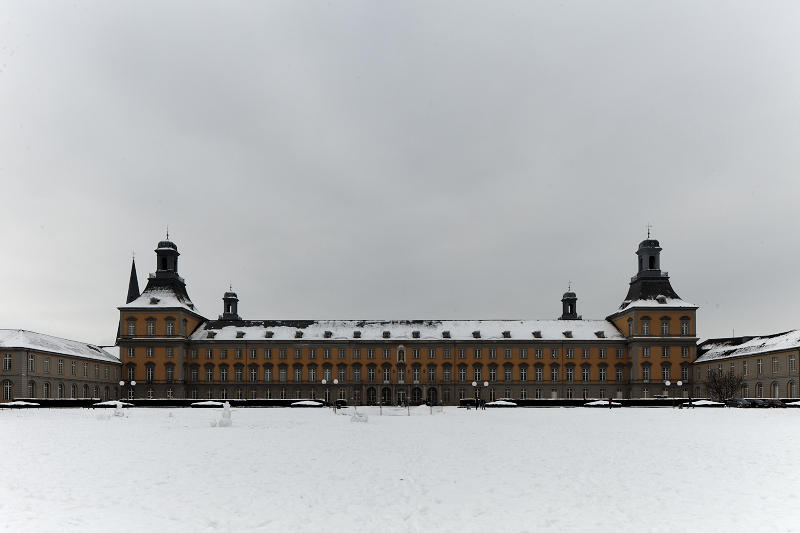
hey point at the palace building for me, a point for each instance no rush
(43, 366)
(170, 350)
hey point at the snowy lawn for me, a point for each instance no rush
(287, 470)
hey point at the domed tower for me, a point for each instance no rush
(231, 303)
(569, 306)
(650, 281)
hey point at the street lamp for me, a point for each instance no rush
(475, 384)
(667, 383)
(335, 382)
(122, 384)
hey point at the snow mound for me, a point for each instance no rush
(112, 403)
(208, 403)
(306, 403)
(359, 417)
(501, 403)
(602, 403)
(19, 403)
(707, 403)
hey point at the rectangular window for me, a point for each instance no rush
(86, 370)
(282, 374)
(476, 353)
(298, 353)
(415, 373)
(356, 353)
(60, 367)
(602, 353)
(733, 367)
(774, 364)
(760, 366)
(744, 368)
(342, 353)
(267, 353)
(620, 353)
(150, 352)
(268, 375)
(538, 374)
(507, 353)
(492, 353)
(96, 371)
(646, 351)
(6, 361)
(601, 373)
(387, 375)
(370, 353)
(554, 353)
(569, 353)
(253, 353)
(131, 327)
(312, 353)
(620, 374)
(665, 351)
(685, 351)
(585, 374)
(73, 367)
(523, 353)
(170, 327)
(356, 374)
(47, 365)
(223, 374)
(476, 374)
(170, 352)
(685, 373)
(446, 353)
(645, 327)
(432, 374)
(415, 353)
(462, 353)
(298, 374)
(106, 372)
(194, 353)
(684, 327)
(387, 353)
(665, 373)
(446, 374)
(554, 374)
(570, 374)
(169, 373)
(151, 328)
(792, 363)
(209, 353)
(538, 353)
(312, 374)
(431, 353)
(462, 374)
(282, 353)
(664, 328)
(223, 353)
(645, 373)
(585, 353)
(523, 374)
(238, 353)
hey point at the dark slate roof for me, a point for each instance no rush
(133, 284)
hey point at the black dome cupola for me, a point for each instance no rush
(569, 306)
(167, 259)
(231, 304)
(649, 253)
(650, 282)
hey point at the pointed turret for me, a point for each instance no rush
(133, 284)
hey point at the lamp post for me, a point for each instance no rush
(122, 384)
(477, 387)
(335, 382)
(667, 383)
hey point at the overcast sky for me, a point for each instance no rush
(399, 160)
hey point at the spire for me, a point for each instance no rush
(133, 284)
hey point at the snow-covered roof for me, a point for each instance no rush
(727, 348)
(29, 340)
(661, 301)
(408, 330)
(160, 298)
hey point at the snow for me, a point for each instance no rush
(304, 470)
(30, 340)
(501, 403)
(113, 403)
(602, 403)
(160, 297)
(706, 403)
(18, 403)
(403, 330)
(650, 303)
(306, 403)
(207, 404)
(756, 345)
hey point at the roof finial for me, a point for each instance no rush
(230, 286)
(167, 231)
(134, 256)
(569, 285)
(648, 230)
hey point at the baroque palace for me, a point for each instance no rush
(169, 350)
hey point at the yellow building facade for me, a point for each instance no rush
(169, 350)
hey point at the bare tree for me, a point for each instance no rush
(723, 386)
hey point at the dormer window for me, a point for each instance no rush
(506, 334)
(211, 334)
(600, 334)
(568, 334)
(445, 334)
(661, 299)
(298, 334)
(268, 334)
(415, 334)
(327, 334)
(240, 334)
(356, 334)
(386, 335)
(537, 334)
(476, 334)
(154, 301)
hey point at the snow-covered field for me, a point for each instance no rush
(287, 470)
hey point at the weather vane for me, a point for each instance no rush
(167, 231)
(648, 230)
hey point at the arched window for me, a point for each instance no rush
(31, 389)
(652, 262)
(73, 391)
(46, 391)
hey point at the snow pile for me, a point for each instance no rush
(707, 403)
(602, 403)
(501, 403)
(306, 403)
(359, 416)
(18, 403)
